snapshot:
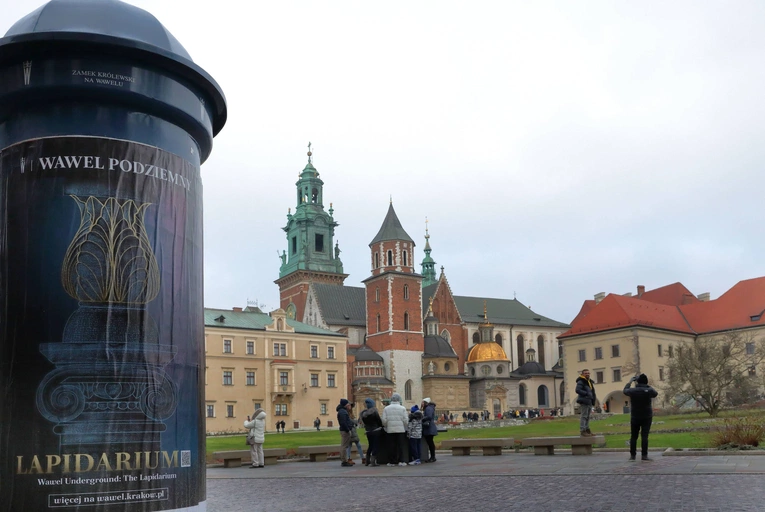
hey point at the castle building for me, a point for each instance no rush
(407, 332)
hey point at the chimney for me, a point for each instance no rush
(641, 291)
(628, 294)
(599, 296)
(237, 310)
(703, 297)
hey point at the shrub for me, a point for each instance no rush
(739, 431)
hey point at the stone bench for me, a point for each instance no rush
(579, 445)
(489, 446)
(320, 453)
(234, 458)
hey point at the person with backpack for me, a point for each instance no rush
(641, 413)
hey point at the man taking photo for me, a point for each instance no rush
(641, 413)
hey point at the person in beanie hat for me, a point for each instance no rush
(395, 420)
(344, 421)
(256, 437)
(372, 423)
(415, 435)
(641, 413)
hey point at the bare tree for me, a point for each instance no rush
(709, 369)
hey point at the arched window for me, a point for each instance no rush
(279, 325)
(542, 396)
(406, 321)
(378, 322)
(562, 391)
(521, 350)
(408, 390)
(314, 196)
(377, 260)
(405, 259)
(560, 350)
(390, 258)
(522, 394)
(476, 337)
(445, 335)
(498, 339)
(377, 294)
(406, 291)
(541, 350)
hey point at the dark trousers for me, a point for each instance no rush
(372, 439)
(643, 426)
(398, 448)
(414, 448)
(431, 447)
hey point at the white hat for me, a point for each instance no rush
(426, 400)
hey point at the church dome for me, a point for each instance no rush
(531, 368)
(486, 352)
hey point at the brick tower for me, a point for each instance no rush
(394, 307)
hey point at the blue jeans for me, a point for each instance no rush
(414, 448)
(584, 417)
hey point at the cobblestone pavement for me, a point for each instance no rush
(601, 482)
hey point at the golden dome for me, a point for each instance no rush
(486, 352)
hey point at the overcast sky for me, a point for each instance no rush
(559, 149)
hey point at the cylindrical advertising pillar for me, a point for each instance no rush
(104, 123)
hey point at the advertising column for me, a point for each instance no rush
(101, 266)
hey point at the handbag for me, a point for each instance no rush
(249, 440)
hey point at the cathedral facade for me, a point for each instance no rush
(407, 332)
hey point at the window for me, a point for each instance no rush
(378, 322)
(661, 353)
(617, 373)
(314, 352)
(377, 295)
(294, 245)
(250, 378)
(330, 380)
(671, 351)
(229, 410)
(323, 408)
(472, 372)
(405, 258)
(227, 347)
(406, 321)
(445, 335)
(582, 355)
(486, 369)
(614, 350)
(281, 409)
(280, 349)
(476, 337)
(661, 373)
(447, 367)
(284, 378)
(499, 369)
(330, 352)
(498, 339)
(256, 405)
(598, 352)
(377, 260)
(750, 349)
(599, 377)
(228, 378)
(521, 352)
(318, 245)
(560, 350)
(314, 380)
(210, 411)
(250, 348)
(406, 292)
(542, 396)
(390, 258)
(541, 350)
(408, 390)
(522, 394)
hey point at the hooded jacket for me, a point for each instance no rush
(395, 417)
(585, 391)
(430, 412)
(415, 425)
(257, 426)
(343, 418)
(370, 418)
(641, 395)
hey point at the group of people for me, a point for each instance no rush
(396, 424)
(641, 409)
(280, 426)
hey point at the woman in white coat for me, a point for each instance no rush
(256, 437)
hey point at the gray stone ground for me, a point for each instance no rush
(513, 481)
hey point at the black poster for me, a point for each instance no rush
(101, 327)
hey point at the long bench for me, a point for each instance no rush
(234, 458)
(320, 453)
(489, 446)
(579, 445)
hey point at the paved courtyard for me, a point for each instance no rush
(605, 481)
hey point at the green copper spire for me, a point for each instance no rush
(428, 264)
(310, 230)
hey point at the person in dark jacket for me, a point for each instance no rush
(586, 399)
(344, 422)
(370, 419)
(641, 413)
(429, 427)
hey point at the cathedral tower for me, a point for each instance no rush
(310, 255)
(394, 307)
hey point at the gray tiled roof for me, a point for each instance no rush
(256, 321)
(341, 305)
(391, 229)
(502, 311)
(436, 346)
(364, 353)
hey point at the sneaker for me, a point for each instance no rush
(253, 466)
(646, 459)
(432, 460)
(345, 464)
(402, 464)
(417, 462)
(413, 463)
(632, 458)
(390, 465)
